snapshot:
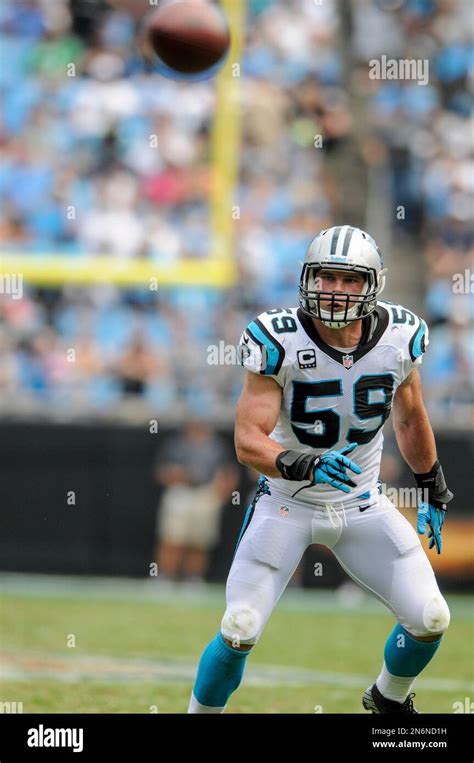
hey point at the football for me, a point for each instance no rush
(189, 36)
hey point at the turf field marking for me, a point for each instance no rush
(139, 591)
(20, 666)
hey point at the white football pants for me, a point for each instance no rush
(378, 548)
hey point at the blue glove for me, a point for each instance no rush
(328, 468)
(435, 518)
(331, 468)
(433, 496)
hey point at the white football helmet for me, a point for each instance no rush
(348, 249)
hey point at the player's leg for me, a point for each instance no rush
(172, 531)
(203, 531)
(381, 551)
(267, 554)
(168, 559)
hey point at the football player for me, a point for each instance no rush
(321, 381)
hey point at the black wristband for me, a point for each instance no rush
(296, 466)
(434, 483)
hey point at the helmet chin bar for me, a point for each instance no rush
(352, 307)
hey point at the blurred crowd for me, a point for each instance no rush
(102, 155)
(424, 135)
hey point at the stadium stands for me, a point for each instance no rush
(80, 175)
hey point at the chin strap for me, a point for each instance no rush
(369, 323)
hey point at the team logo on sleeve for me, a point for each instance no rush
(306, 358)
(250, 354)
(348, 361)
(283, 511)
(244, 349)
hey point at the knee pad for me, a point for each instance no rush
(241, 625)
(436, 615)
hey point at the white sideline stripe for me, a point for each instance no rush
(145, 590)
(117, 670)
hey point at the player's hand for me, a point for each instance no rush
(331, 468)
(432, 503)
(434, 516)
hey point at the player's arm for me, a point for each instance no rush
(257, 413)
(416, 441)
(412, 426)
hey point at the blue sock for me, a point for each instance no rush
(219, 673)
(405, 656)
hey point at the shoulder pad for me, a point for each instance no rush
(409, 333)
(264, 338)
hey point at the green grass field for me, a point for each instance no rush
(96, 646)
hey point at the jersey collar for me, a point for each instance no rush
(368, 340)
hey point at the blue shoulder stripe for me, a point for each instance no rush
(417, 342)
(274, 351)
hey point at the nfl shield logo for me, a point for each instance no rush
(283, 511)
(347, 361)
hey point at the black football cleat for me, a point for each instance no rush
(374, 701)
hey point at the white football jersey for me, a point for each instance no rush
(331, 398)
